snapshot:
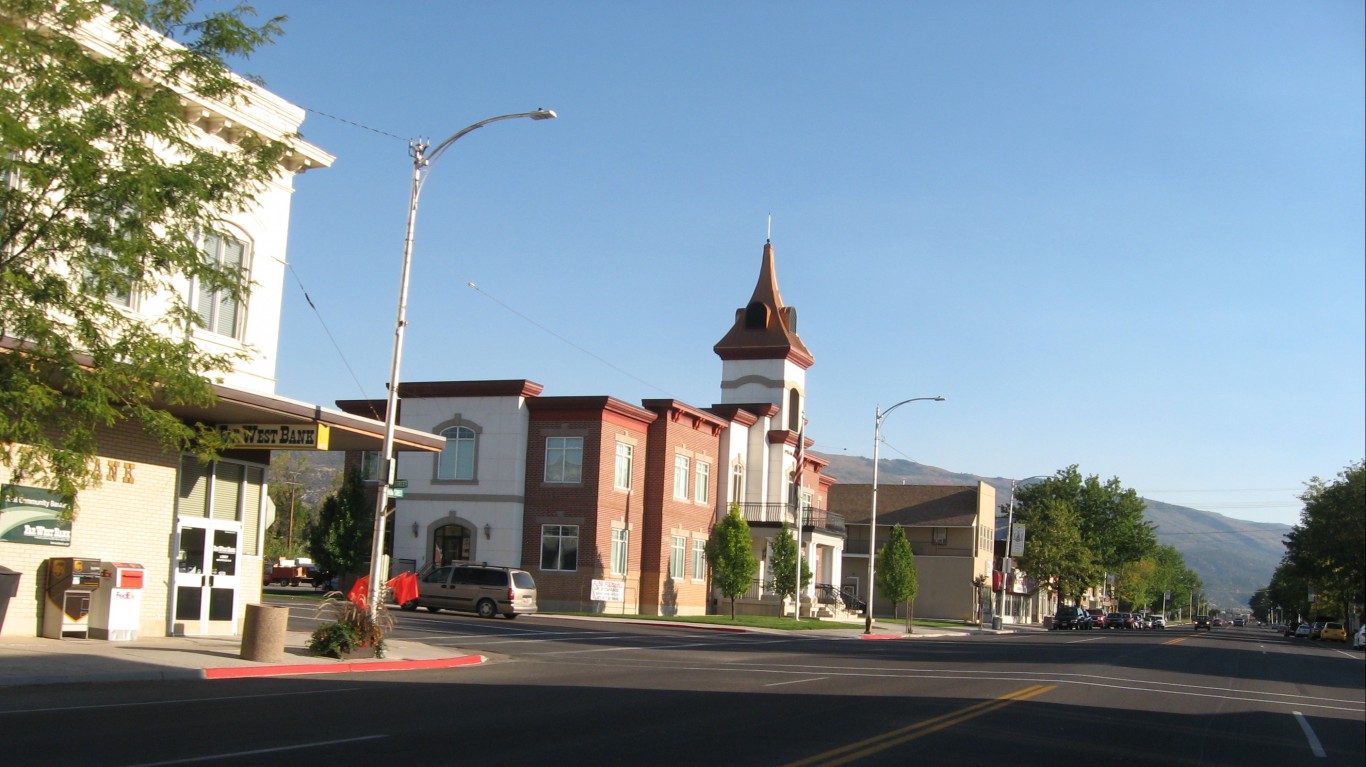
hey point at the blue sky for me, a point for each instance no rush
(1123, 236)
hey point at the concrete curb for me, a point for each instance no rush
(341, 667)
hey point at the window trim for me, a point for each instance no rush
(473, 441)
(620, 558)
(699, 559)
(211, 323)
(701, 481)
(622, 480)
(564, 450)
(557, 532)
(677, 553)
(682, 473)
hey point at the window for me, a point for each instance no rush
(218, 310)
(941, 536)
(369, 465)
(625, 458)
(457, 457)
(699, 558)
(564, 459)
(223, 490)
(702, 482)
(676, 551)
(559, 547)
(621, 541)
(737, 482)
(681, 477)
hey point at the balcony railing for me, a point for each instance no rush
(778, 513)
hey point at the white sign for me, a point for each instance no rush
(1017, 539)
(608, 591)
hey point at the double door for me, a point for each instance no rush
(206, 576)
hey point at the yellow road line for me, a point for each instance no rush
(869, 746)
(1178, 640)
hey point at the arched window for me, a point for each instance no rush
(756, 316)
(794, 410)
(452, 543)
(457, 457)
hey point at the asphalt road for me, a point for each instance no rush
(561, 692)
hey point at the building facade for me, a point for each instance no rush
(191, 532)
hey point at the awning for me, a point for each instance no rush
(348, 432)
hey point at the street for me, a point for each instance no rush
(571, 692)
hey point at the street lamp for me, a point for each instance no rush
(996, 620)
(872, 518)
(422, 161)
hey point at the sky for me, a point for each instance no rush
(1128, 237)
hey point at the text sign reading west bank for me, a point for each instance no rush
(280, 436)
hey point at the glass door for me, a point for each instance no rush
(206, 577)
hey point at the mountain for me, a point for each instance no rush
(1233, 557)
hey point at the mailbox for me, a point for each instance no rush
(66, 609)
(116, 609)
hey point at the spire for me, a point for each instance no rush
(765, 329)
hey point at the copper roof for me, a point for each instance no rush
(765, 329)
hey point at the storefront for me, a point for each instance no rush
(197, 529)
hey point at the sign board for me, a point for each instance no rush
(1017, 539)
(33, 515)
(394, 492)
(399, 483)
(279, 436)
(608, 591)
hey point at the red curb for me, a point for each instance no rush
(881, 636)
(340, 668)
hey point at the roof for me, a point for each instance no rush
(907, 505)
(764, 329)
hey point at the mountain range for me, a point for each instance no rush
(1233, 557)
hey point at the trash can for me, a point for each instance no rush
(263, 633)
(9, 587)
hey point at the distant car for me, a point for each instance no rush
(1157, 622)
(1097, 618)
(1290, 629)
(1239, 622)
(1333, 632)
(1302, 631)
(1202, 622)
(1316, 629)
(1217, 622)
(1071, 617)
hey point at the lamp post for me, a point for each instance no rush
(422, 161)
(996, 620)
(872, 518)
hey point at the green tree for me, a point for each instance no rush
(1328, 547)
(896, 574)
(784, 566)
(105, 188)
(1054, 551)
(340, 541)
(730, 555)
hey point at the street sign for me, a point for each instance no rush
(394, 492)
(400, 483)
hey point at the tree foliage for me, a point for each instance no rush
(730, 555)
(1085, 528)
(340, 542)
(897, 578)
(783, 565)
(107, 190)
(287, 536)
(1327, 549)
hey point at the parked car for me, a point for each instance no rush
(1302, 631)
(1097, 617)
(481, 589)
(1114, 621)
(1359, 643)
(1290, 629)
(1202, 622)
(1157, 622)
(1316, 629)
(1071, 617)
(1333, 632)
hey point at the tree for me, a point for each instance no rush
(896, 574)
(340, 541)
(1054, 551)
(1328, 547)
(784, 566)
(286, 535)
(107, 190)
(731, 556)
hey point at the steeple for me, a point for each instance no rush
(765, 329)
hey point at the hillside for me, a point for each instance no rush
(1233, 557)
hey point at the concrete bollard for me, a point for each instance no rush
(263, 633)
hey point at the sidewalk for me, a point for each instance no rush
(38, 661)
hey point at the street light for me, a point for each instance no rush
(422, 161)
(872, 518)
(996, 620)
